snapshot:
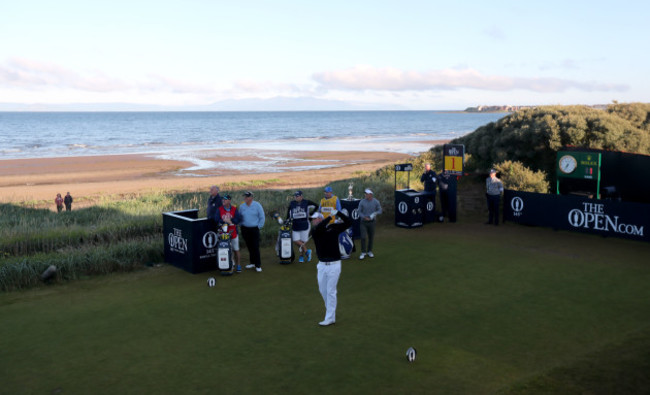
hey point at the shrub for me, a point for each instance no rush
(518, 177)
(533, 136)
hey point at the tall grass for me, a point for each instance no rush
(118, 231)
(73, 263)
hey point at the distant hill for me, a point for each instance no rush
(271, 104)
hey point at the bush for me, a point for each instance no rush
(533, 136)
(518, 177)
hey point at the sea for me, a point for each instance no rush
(194, 136)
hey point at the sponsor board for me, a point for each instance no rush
(580, 214)
(190, 242)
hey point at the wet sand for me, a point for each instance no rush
(89, 178)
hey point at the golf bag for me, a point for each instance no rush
(346, 244)
(225, 261)
(284, 245)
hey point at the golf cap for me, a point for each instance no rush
(492, 171)
(226, 197)
(298, 193)
(368, 190)
(317, 215)
(328, 189)
(248, 194)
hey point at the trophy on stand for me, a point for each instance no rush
(350, 197)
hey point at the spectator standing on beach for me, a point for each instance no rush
(59, 202)
(228, 214)
(368, 210)
(494, 188)
(298, 212)
(68, 202)
(252, 222)
(214, 202)
(326, 239)
(328, 203)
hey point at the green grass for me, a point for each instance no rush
(511, 309)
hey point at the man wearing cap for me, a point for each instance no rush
(368, 210)
(214, 202)
(326, 239)
(298, 212)
(328, 203)
(494, 188)
(228, 214)
(252, 221)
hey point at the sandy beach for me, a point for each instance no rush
(88, 178)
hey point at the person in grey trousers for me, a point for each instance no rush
(368, 210)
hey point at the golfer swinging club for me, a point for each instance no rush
(326, 238)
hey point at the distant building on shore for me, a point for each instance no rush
(496, 108)
(508, 108)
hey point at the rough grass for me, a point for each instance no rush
(90, 240)
(511, 309)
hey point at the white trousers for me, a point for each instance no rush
(328, 278)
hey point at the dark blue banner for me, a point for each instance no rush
(190, 242)
(580, 214)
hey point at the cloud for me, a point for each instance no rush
(495, 32)
(257, 87)
(367, 78)
(34, 75)
(156, 83)
(252, 88)
(42, 76)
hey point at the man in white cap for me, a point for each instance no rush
(368, 210)
(326, 239)
(493, 191)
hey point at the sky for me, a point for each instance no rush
(415, 55)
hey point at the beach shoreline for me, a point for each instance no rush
(90, 178)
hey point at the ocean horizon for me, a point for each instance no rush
(221, 140)
(66, 134)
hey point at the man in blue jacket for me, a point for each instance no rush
(252, 221)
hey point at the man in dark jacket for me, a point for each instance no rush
(68, 202)
(447, 185)
(326, 239)
(298, 212)
(429, 178)
(214, 202)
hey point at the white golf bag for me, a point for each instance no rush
(284, 245)
(225, 261)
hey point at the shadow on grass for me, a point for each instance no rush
(617, 369)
